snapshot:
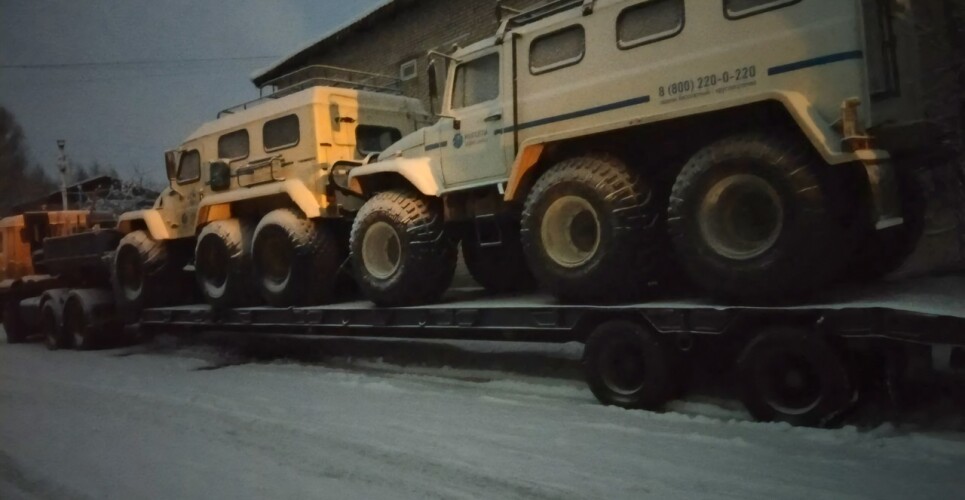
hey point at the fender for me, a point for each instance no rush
(151, 218)
(422, 172)
(295, 189)
(818, 131)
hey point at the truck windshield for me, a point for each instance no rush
(476, 81)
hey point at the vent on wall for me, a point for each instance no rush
(408, 70)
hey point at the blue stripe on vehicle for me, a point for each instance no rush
(430, 147)
(817, 61)
(577, 114)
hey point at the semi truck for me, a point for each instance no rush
(572, 151)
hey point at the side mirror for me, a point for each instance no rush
(171, 163)
(220, 175)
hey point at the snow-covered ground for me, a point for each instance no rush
(169, 421)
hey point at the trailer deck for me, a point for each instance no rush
(928, 310)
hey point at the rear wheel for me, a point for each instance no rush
(222, 263)
(296, 261)
(589, 230)
(401, 251)
(79, 328)
(794, 376)
(750, 218)
(498, 267)
(628, 366)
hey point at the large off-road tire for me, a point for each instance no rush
(752, 218)
(13, 324)
(402, 252)
(296, 261)
(222, 258)
(145, 273)
(880, 252)
(626, 365)
(498, 268)
(590, 230)
(794, 376)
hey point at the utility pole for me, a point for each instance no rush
(64, 167)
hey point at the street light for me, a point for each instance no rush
(64, 166)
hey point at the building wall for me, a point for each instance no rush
(410, 33)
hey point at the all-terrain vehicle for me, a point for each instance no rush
(255, 198)
(764, 147)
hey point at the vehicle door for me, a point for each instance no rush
(471, 140)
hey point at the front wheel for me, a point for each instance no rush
(145, 273)
(402, 253)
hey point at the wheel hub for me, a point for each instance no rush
(623, 370)
(570, 231)
(741, 217)
(381, 250)
(791, 385)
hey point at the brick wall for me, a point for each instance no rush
(410, 33)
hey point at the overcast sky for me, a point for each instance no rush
(129, 114)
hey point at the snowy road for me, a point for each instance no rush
(154, 423)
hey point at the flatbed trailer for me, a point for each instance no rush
(802, 363)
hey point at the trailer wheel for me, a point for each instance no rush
(144, 273)
(501, 267)
(13, 325)
(881, 252)
(296, 261)
(589, 230)
(221, 263)
(401, 250)
(749, 218)
(52, 320)
(628, 366)
(794, 376)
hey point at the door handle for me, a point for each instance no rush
(494, 117)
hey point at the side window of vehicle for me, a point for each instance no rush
(375, 139)
(476, 81)
(233, 146)
(556, 50)
(649, 22)
(280, 133)
(737, 9)
(189, 170)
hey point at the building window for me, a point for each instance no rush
(233, 146)
(736, 9)
(476, 81)
(557, 50)
(409, 70)
(649, 22)
(374, 139)
(280, 133)
(189, 169)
